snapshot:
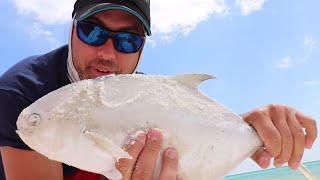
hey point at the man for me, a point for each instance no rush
(107, 37)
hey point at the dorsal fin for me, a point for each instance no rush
(192, 80)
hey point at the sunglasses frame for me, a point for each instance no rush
(111, 35)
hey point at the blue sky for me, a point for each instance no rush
(262, 51)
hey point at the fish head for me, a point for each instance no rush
(29, 127)
(29, 121)
(34, 126)
(35, 120)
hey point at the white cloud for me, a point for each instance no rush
(310, 42)
(311, 83)
(182, 16)
(288, 62)
(249, 6)
(168, 16)
(37, 30)
(46, 11)
(285, 63)
(151, 42)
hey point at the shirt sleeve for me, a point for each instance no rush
(11, 104)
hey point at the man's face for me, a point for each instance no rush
(91, 62)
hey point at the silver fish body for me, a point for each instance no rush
(85, 124)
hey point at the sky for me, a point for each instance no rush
(261, 51)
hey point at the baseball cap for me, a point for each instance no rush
(139, 8)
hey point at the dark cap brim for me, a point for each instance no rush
(88, 11)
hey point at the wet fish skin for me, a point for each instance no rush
(85, 124)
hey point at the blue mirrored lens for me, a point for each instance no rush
(96, 35)
(126, 42)
(93, 35)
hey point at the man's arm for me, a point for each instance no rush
(24, 164)
(20, 162)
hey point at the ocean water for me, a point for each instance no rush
(283, 173)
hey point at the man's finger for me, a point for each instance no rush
(169, 170)
(266, 130)
(134, 148)
(148, 157)
(278, 116)
(310, 126)
(299, 140)
(262, 158)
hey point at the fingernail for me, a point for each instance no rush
(141, 137)
(278, 163)
(264, 162)
(172, 153)
(154, 135)
(295, 165)
(309, 144)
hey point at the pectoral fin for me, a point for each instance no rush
(105, 145)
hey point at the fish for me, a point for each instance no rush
(86, 124)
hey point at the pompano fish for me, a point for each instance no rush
(85, 124)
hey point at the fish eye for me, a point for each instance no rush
(34, 119)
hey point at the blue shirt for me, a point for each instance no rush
(23, 84)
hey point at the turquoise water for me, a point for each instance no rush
(283, 173)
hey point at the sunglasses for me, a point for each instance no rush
(96, 35)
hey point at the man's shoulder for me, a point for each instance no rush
(36, 76)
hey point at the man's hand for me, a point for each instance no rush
(285, 133)
(144, 151)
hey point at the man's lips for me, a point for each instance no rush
(104, 71)
(101, 71)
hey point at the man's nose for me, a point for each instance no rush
(107, 50)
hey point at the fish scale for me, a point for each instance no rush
(88, 122)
